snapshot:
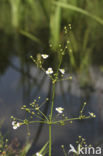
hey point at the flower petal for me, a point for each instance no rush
(62, 71)
(49, 71)
(59, 109)
(44, 56)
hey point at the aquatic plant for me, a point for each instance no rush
(34, 110)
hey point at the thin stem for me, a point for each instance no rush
(81, 112)
(64, 152)
(43, 115)
(38, 122)
(49, 139)
(43, 103)
(72, 119)
(19, 119)
(50, 126)
(64, 79)
(53, 94)
(38, 117)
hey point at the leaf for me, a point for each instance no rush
(25, 149)
(55, 25)
(14, 9)
(77, 9)
(30, 36)
(44, 149)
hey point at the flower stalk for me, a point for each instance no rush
(50, 123)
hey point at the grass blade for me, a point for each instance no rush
(55, 25)
(80, 10)
(30, 36)
(25, 150)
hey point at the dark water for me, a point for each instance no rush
(21, 84)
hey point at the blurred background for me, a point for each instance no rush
(34, 27)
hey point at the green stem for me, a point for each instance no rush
(49, 139)
(43, 115)
(72, 119)
(38, 122)
(53, 94)
(50, 126)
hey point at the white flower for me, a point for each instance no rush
(38, 154)
(62, 71)
(49, 71)
(92, 114)
(18, 124)
(15, 127)
(45, 56)
(59, 109)
(15, 124)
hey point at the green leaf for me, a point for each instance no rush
(77, 9)
(14, 9)
(30, 36)
(55, 25)
(44, 149)
(25, 149)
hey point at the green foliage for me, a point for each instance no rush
(31, 17)
(30, 36)
(55, 22)
(77, 9)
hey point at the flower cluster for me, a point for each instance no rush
(15, 124)
(55, 76)
(50, 70)
(34, 113)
